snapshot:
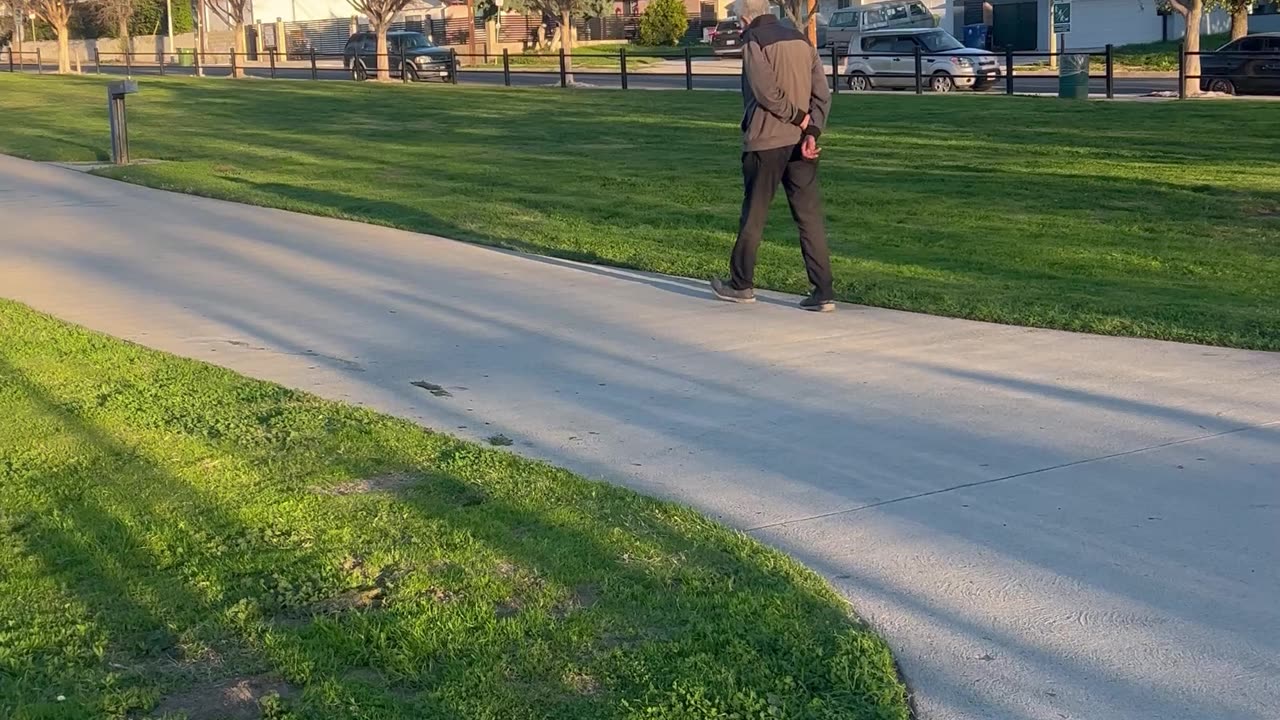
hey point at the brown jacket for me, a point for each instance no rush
(782, 79)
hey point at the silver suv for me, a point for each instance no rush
(946, 64)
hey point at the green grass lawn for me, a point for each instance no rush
(1149, 219)
(175, 538)
(1162, 55)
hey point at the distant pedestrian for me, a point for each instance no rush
(786, 101)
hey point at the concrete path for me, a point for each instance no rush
(1044, 525)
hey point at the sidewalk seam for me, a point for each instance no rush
(1015, 476)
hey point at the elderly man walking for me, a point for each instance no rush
(786, 101)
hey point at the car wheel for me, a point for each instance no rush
(411, 71)
(859, 82)
(359, 73)
(942, 83)
(1222, 85)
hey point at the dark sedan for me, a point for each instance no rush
(411, 54)
(1248, 66)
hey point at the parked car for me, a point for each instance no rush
(946, 64)
(1250, 65)
(422, 59)
(726, 39)
(847, 25)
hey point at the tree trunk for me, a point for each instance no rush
(240, 47)
(1240, 21)
(122, 32)
(383, 61)
(1195, 11)
(566, 42)
(64, 48)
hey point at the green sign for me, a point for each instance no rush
(1062, 17)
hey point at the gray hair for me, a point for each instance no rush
(751, 8)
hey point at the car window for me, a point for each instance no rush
(919, 11)
(939, 41)
(876, 44)
(873, 18)
(1251, 45)
(729, 26)
(844, 19)
(904, 45)
(1271, 44)
(897, 12)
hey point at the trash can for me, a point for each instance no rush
(186, 57)
(1073, 77)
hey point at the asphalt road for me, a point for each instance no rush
(638, 81)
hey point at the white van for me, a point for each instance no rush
(847, 24)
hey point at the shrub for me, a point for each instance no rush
(663, 22)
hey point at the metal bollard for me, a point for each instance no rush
(564, 72)
(919, 72)
(1111, 72)
(506, 68)
(271, 55)
(622, 65)
(116, 93)
(314, 74)
(1008, 76)
(688, 68)
(835, 69)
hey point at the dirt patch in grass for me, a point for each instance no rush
(391, 482)
(235, 699)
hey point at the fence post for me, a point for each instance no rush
(198, 59)
(622, 64)
(919, 72)
(234, 71)
(314, 75)
(161, 62)
(688, 68)
(404, 60)
(39, 63)
(11, 60)
(453, 66)
(835, 69)
(1182, 71)
(271, 56)
(128, 63)
(1008, 75)
(506, 67)
(564, 79)
(1111, 71)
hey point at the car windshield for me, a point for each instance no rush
(412, 41)
(727, 26)
(940, 41)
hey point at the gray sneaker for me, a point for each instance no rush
(813, 303)
(729, 294)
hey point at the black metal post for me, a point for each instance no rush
(404, 65)
(161, 62)
(919, 72)
(199, 62)
(1182, 71)
(564, 79)
(314, 74)
(271, 56)
(622, 65)
(128, 64)
(453, 66)
(1008, 75)
(835, 69)
(233, 62)
(1111, 71)
(11, 60)
(688, 68)
(506, 67)
(39, 63)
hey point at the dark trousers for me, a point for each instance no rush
(762, 171)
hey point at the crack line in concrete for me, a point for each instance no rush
(979, 483)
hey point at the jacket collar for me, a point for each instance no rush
(762, 21)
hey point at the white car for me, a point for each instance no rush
(888, 60)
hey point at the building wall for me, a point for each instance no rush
(1098, 23)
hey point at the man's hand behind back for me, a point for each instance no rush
(809, 149)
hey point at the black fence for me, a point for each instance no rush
(920, 71)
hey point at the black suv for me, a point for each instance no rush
(411, 54)
(1248, 65)
(726, 39)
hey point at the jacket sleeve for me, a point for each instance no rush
(819, 98)
(763, 81)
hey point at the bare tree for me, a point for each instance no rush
(116, 14)
(380, 14)
(232, 13)
(1192, 11)
(58, 14)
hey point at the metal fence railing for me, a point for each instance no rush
(919, 71)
